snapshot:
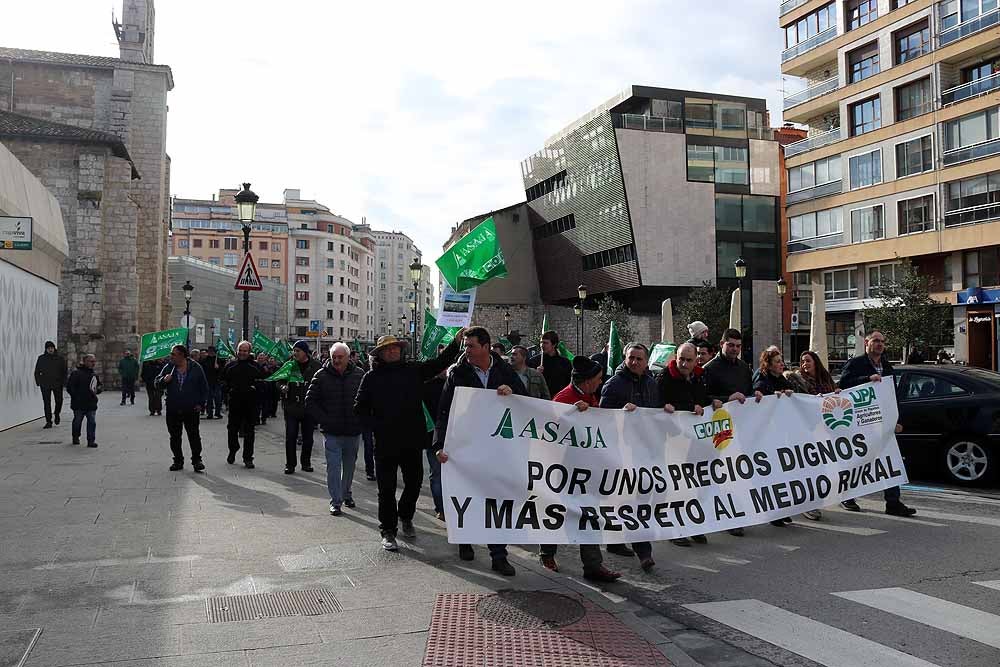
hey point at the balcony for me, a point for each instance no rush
(812, 92)
(969, 90)
(631, 121)
(802, 245)
(974, 152)
(789, 5)
(809, 44)
(815, 141)
(831, 188)
(967, 28)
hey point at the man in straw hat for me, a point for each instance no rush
(389, 404)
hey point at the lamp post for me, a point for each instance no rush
(581, 291)
(782, 288)
(416, 271)
(188, 291)
(402, 325)
(506, 321)
(740, 266)
(578, 311)
(246, 208)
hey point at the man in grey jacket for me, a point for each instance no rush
(531, 378)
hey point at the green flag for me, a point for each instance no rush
(475, 259)
(434, 335)
(262, 343)
(564, 351)
(615, 353)
(289, 372)
(660, 354)
(224, 350)
(281, 350)
(356, 345)
(157, 344)
(428, 422)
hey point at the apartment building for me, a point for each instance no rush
(396, 252)
(902, 160)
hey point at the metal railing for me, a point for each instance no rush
(632, 121)
(984, 149)
(812, 92)
(809, 44)
(815, 141)
(969, 90)
(789, 5)
(969, 27)
(831, 188)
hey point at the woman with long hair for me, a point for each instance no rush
(813, 378)
(770, 380)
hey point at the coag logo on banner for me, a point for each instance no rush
(719, 429)
(837, 411)
(586, 437)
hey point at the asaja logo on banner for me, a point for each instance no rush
(837, 411)
(586, 437)
(719, 429)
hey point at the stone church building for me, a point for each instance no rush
(93, 130)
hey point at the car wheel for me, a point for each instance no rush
(968, 461)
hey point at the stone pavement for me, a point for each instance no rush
(109, 558)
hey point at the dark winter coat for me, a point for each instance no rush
(330, 396)
(241, 378)
(626, 387)
(858, 369)
(680, 392)
(51, 371)
(389, 400)
(724, 378)
(769, 385)
(184, 397)
(149, 371)
(463, 374)
(294, 402)
(432, 400)
(128, 369)
(78, 387)
(557, 369)
(213, 367)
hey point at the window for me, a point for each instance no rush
(182, 243)
(213, 243)
(329, 297)
(197, 243)
(300, 332)
(914, 99)
(809, 26)
(882, 275)
(301, 296)
(863, 62)
(213, 260)
(896, 4)
(916, 215)
(947, 15)
(301, 261)
(841, 284)
(973, 129)
(813, 174)
(302, 278)
(912, 42)
(914, 157)
(701, 163)
(719, 164)
(232, 243)
(262, 245)
(866, 224)
(597, 260)
(262, 263)
(302, 313)
(548, 185)
(302, 244)
(275, 263)
(820, 223)
(866, 116)
(728, 213)
(329, 280)
(860, 12)
(866, 169)
(926, 386)
(275, 247)
(981, 268)
(557, 226)
(698, 115)
(229, 259)
(744, 213)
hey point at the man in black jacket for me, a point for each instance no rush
(556, 368)
(297, 418)
(481, 368)
(872, 366)
(389, 404)
(241, 376)
(183, 382)
(50, 376)
(212, 366)
(329, 402)
(83, 386)
(150, 369)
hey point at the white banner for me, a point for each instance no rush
(526, 471)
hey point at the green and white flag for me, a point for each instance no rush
(262, 343)
(434, 335)
(157, 345)
(281, 350)
(289, 372)
(224, 350)
(615, 353)
(475, 259)
(661, 353)
(564, 351)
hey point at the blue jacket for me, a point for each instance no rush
(626, 387)
(184, 398)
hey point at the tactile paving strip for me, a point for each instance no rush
(461, 637)
(310, 602)
(530, 610)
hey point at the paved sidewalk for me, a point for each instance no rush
(109, 558)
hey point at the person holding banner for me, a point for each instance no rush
(533, 380)
(242, 375)
(184, 383)
(814, 379)
(872, 366)
(582, 392)
(682, 388)
(770, 381)
(389, 404)
(481, 368)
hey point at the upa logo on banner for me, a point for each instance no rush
(837, 411)
(719, 429)
(861, 408)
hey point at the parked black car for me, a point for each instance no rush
(951, 419)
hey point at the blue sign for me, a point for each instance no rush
(315, 326)
(978, 295)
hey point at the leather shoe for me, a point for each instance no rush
(549, 563)
(647, 564)
(466, 552)
(307, 468)
(289, 471)
(899, 509)
(176, 466)
(503, 566)
(736, 532)
(681, 542)
(620, 550)
(851, 505)
(47, 425)
(231, 459)
(249, 464)
(57, 419)
(699, 539)
(198, 466)
(601, 574)
(348, 502)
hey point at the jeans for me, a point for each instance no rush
(293, 427)
(155, 397)
(369, 439)
(387, 466)
(91, 416)
(341, 456)
(435, 480)
(177, 423)
(214, 407)
(241, 422)
(128, 390)
(590, 555)
(47, 395)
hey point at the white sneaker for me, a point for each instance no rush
(815, 515)
(389, 543)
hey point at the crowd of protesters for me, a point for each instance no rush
(395, 409)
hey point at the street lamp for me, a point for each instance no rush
(416, 271)
(402, 324)
(782, 287)
(506, 321)
(578, 311)
(581, 291)
(188, 291)
(246, 208)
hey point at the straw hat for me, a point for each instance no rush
(387, 341)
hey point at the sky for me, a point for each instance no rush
(415, 116)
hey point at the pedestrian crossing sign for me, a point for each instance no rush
(248, 279)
